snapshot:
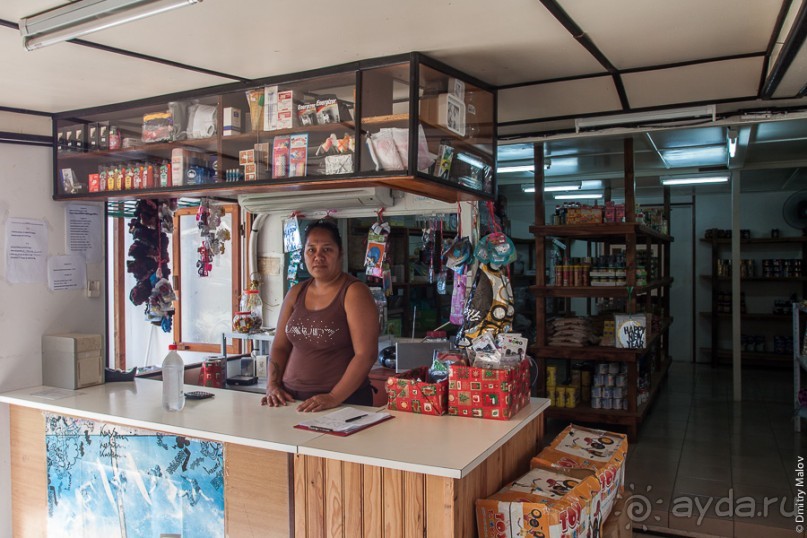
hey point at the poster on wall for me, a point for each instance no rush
(84, 231)
(114, 481)
(26, 250)
(66, 273)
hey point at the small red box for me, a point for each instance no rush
(406, 393)
(487, 393)
(95, 182)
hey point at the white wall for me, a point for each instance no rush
(29, 310)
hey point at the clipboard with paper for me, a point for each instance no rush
(343, 422)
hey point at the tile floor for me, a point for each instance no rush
(705, 465)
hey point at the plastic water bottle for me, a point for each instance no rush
(173, 380)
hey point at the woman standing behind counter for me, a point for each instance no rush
(329, 339)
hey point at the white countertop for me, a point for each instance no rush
(442, 446)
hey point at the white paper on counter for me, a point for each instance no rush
(26, 248)
(67, 273)
(84, 228)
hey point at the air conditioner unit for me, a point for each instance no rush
(352, 198)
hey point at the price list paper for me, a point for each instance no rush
(84, 231)
(26, 250)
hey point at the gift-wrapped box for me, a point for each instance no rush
(562, 503)
(600, 451)
(488, 393)
(408, 391)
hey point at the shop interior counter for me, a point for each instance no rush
(412, 475)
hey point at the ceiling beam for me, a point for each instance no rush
(790, 48)
(777, 29)
(571, 26)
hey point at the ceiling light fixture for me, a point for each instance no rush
(553, 187)
(581, 196)
(514, 169)
(646, 117)
(82, 17)
(694, 180)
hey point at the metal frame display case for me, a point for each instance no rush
(406, 122)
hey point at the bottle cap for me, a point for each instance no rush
(172, 346)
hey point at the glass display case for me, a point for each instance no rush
(407, 122)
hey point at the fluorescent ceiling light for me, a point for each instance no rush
(695, 156)
(514, 169)
(695, 180)
(561, 187)
(527, 187)
(581, 196)
(647, 117)
(86, 16)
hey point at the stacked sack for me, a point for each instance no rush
(568, 493)
(571, 332)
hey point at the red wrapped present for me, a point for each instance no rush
(408, 392)
(488, 393)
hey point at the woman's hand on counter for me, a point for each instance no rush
(276, 396)
(320, 402)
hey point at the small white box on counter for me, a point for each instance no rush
(73, 360)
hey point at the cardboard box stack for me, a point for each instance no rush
(570, 490)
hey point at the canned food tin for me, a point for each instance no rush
(560, 397)
(602, 368)
(596, 403)
(607, 403)
(550, 393)
(621, 380)
(613, 368)
(596, 392)
(610, 380)
(571, 396)
(551, 376)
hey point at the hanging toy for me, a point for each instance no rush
(149, 259)
(376, 253)
(204, 265)
(210, 221)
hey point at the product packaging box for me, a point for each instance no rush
(445, 110)
(331, 110)
(584, 215)
(631, 330)
(562, 503)
(262, 161)
(103, 135)
(246, 156)
(488, 393)
(92, 137)
(286, 112)
(79, 139)
(280, 157)
(270, 108)
(183, 161)
(407, 391)
(298, 154)
(307, 114)
(600, 451)
(95, 182)
(232, 121)
(72, 360)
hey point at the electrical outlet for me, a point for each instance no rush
(93, 288)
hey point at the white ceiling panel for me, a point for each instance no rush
(49, 80)
(572, 97)
(694, 83)
(639, 34)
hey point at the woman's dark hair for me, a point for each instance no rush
(328, 225)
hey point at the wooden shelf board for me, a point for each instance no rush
(750, 316)
(599, 353)
(138, 151)
(758, 240)
(601, 231)
(231, 190)
(597, 291)
(751, 355)
(758, 279)
(389, 118)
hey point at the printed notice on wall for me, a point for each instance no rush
(26, 248)
(67, 273)
(84, 230)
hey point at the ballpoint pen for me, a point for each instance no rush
(353, 419)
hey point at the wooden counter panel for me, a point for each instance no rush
(256, 491)
(368, 501)
(29, 479)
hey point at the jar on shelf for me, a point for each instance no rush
(249, 317)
